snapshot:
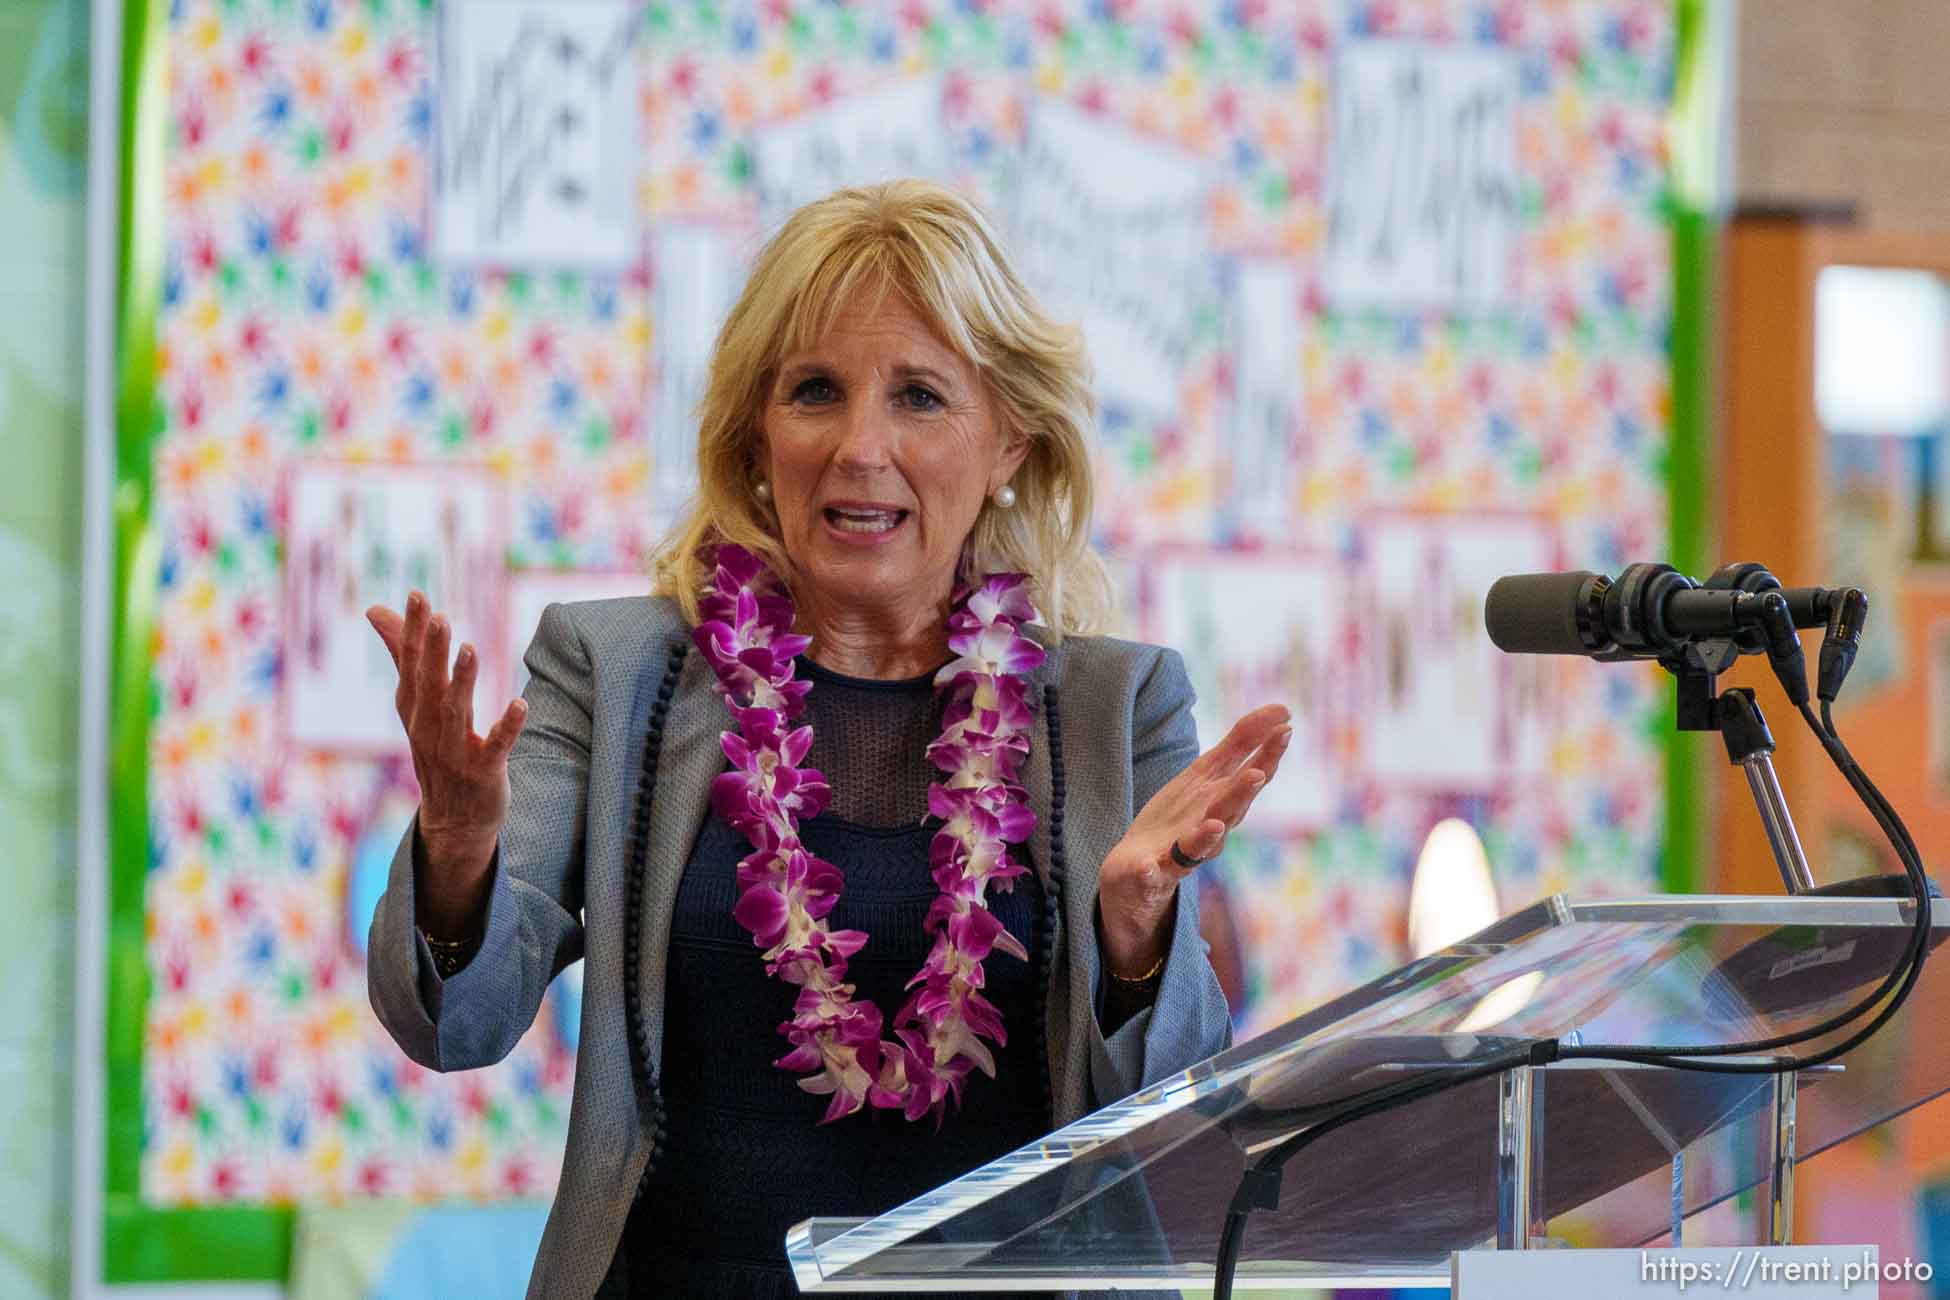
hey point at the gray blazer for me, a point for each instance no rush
(597, 669)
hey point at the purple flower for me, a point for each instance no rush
(964, 816)
(783, 913)
(841, 1040)
(989, 703)
(996, 648)
(739, 568)
(997, 596)
(764, 785)
(974, 759)
(785, 892)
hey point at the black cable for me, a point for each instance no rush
(1790, 670)
(1885, 813)
(1902, 976)
(1886, 817)
(1382, 1100)
(1228, 1262)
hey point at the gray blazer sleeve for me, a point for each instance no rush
(534, 925)
(1190, 1020)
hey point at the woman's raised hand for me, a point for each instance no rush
(463, 776)
(1194, 810)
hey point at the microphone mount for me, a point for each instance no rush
(1758, 622)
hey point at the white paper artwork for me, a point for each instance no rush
(699, 273)
(1421, 176)
(537, 162)
(1257, 628)
(1448, 709)
(880, 136)
(1113, 231)
(530, 591)
(1260, 494)
(362, 536)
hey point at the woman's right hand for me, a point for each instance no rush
(463, 777)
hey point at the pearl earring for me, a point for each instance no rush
(762, 490)
(1005, 496)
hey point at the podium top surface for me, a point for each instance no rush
(1136, 1193)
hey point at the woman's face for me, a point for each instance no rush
(881, 444)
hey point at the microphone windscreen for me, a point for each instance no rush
(1537, 613)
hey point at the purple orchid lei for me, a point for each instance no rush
(785, 893)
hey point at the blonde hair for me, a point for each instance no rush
(938, 251)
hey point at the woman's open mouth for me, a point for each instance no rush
(865, 521)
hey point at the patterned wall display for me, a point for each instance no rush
(1379, 299)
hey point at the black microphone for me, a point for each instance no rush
(1651, 611)
(1548, 613)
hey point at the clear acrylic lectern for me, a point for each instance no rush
(1135, 1195)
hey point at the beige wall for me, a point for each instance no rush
(1846, 100)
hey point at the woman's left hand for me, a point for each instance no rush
(1138, 886)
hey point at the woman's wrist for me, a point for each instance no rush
(1134, 968)
(1133, 943)
(452, 887)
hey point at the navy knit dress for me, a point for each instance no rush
(746, 1157)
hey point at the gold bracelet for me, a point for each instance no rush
(450, 955)
(1145, 978)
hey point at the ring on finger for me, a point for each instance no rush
(1180, 857)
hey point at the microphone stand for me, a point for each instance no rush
(1736, 715)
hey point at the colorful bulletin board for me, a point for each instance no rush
(1380, 300)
